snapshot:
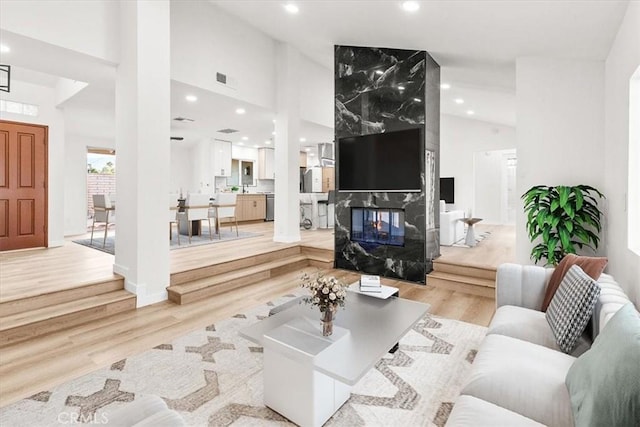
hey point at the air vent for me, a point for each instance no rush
(221, 78)
(228, 130)
(183, 119)
(177, 138)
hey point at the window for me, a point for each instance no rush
(633, 195)
(18, 108)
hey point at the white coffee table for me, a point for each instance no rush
(308, 377)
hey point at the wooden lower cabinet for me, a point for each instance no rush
(251, 207)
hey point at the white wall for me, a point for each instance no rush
(182, 177)
(460, 138)
(90, 27)
(560, 129)
(49, 115)
(490, 193)
(623, 60)
(316, 93)
(75, 180)
(206, 40)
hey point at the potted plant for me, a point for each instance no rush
(564, 217)
(234, 188)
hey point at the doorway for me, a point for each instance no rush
(24, 183)
(494, 192)
(101, 177)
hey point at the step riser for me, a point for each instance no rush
(216, 289)
(65, 321)
(463, 270)
(214, 270)
(466, 288)
(317, 253)
(324, 265)
(23, 305)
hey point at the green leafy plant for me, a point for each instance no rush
(235, 188)
(564, 217)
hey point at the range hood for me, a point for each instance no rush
(325, 154)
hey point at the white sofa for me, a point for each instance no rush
(518, 375)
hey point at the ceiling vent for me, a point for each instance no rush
(221, 78)
(228, 130)
(183, 119)
(177, 138)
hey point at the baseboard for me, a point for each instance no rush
(143, 297)
(55, 243)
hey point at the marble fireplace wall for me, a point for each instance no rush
(383, 90)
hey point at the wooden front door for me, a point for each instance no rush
(23, 185)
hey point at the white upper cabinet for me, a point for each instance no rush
(266, 163)
(221, 158)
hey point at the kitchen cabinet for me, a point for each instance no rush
(303, 159)
(266, 163)
(251, 207)
(221, 158)
(328, 179)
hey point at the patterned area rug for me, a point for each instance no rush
(212, 377)
(203, 239)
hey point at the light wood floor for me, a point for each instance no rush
(497, 248)
(33, 366)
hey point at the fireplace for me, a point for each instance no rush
(377, 226)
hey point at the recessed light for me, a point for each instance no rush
(470, 112)
(445, 86)
(400, 87)
(268, 142)
(307, 149)
(4, 48)
(417, 99)
(240, 143)
(379, 72)
(245, 138)
(291, 8)
(410, 6)
(256, 146)
(459, 101)
(240, 111)
(303, 139)
(311, 154)
(191, 98)
(274, 120)
(273, 133)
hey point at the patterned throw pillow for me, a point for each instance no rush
(571, 307)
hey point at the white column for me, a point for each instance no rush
(287, 150)
(142, 149)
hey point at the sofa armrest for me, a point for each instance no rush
(521, 285)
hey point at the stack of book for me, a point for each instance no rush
(370, 284)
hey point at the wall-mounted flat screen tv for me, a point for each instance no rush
(447, 187)
(390, 161)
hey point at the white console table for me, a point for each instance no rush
(451, 228)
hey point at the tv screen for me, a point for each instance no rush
(390, 161)
(447, 187)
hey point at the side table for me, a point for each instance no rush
(471, 235)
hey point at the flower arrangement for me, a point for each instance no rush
(327, 292)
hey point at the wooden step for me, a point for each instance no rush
(60, 297)
(29, 324)
(229, 266)
(464, 270)
(460, 283)
(319, 258)
(208, 286)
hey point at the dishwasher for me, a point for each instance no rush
(270, 202)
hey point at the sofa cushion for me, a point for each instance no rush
(604, 383)
(470, 411)
(522, 377)
(532, 326)
(572, 307)
(592, 266)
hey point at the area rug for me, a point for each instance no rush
(203, 239)
(212, 377)
(479, 238)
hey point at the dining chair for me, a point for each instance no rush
(103, 211)
(173, 215)
(196, 209)
(224, 208)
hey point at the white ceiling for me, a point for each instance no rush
(475, 42)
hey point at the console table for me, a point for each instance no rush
(471, 235)
(308, 377)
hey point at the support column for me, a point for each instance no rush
(142, 147)
(287, 150)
